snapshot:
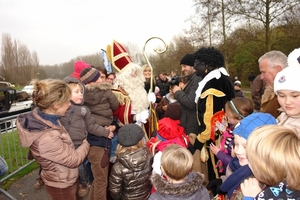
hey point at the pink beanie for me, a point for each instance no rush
(80, 65)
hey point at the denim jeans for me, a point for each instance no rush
(114, 144)
(83, 173)
(89, 171)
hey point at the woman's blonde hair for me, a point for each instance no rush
(144, 67)
(121, 149)
(240, 107)
(48, 92)
(176, 161)
(273, 152)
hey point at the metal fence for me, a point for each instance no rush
(11, 150)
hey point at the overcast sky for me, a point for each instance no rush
(59, 30)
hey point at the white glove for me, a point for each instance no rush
(151, 97)
(156, 90)
(156, 165)
(142, 117)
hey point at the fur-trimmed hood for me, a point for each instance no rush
(192, 188)
(101, 86)
(94, 92)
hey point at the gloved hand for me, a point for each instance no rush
(195, 142)
(193, 138)
(214, 186)
(151, 97)
(156, 90)
(142, 116)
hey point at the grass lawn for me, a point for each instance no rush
(15, 157)
(247, 92)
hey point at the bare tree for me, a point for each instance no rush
(197, 31)
(135, 53)
(18, 64)
(211, 22)
(267, 12)
(7, 56)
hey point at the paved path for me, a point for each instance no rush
(23, 189)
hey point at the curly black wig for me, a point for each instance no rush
(210, 56)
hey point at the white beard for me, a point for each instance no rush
(134, 87)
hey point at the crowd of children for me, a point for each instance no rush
(258, 155)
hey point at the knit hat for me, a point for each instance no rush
(173, 111)
(169, 129)
(89, 75)
(130, 135)
(188, 59)
(247, 125)
(287, 79)
(294, 58)
(238, 83)
(80, 65)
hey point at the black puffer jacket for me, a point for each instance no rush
(164, 87)
(191, 189)
(130, 176)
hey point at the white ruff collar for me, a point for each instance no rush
(213, 74)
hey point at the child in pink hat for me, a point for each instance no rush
(78, 67)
